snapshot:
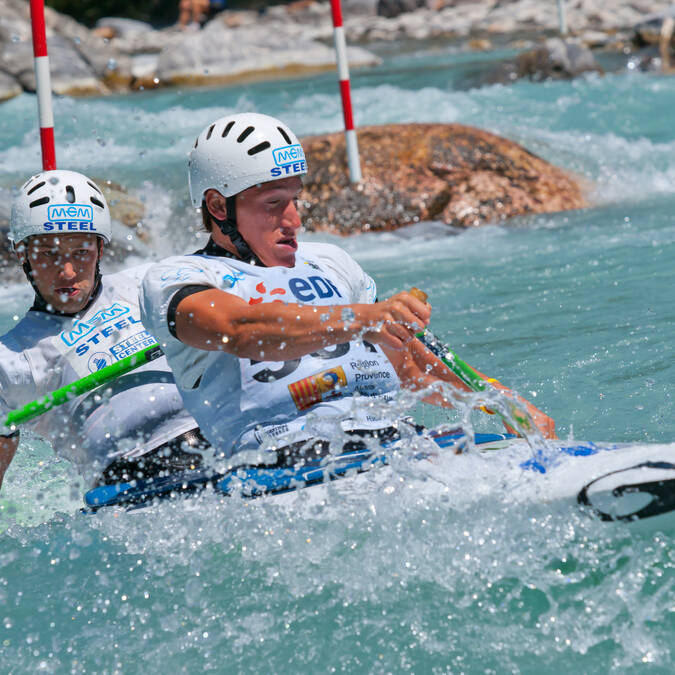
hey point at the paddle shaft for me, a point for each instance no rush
(460, 368)
(60, 396)
(70, 391)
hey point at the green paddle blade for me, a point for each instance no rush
(87, 383)
(468, 375)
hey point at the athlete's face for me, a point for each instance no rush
(267, 218)
(64, 268)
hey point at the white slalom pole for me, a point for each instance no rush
(562, 17)
(43, 84)
(345, 91)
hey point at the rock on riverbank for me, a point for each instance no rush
(121, 55)
(457, 174)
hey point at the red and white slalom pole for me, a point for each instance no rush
(345, 91)
(43, 84)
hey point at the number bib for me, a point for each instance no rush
(326, 378)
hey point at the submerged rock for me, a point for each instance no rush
(457, 174)
(556, 59)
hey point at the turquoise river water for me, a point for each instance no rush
(574, 310)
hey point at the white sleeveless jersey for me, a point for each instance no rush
(129, 416)
(241, 404)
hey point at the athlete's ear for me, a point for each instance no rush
(101, 243)
(216, 204)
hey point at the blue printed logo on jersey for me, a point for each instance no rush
(132, 345)
(232, 279)
(179, 275)
(98, 361)
(81, 329)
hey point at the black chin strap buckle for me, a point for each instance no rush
(229, 228)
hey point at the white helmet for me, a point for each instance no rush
(239, 151)
(59, 202)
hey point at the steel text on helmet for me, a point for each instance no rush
(57, 203)
(237, 152)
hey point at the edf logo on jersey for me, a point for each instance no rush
(312, 287)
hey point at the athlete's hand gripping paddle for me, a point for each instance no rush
(464, 371)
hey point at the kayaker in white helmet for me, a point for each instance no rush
(272, 341)
(81, 321)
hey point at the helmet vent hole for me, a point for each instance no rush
(90, 184)
(39, 202)
(209, 132)
(227, 128)
(70, 194)
(259, 148)
(245, 134)
(287, 138)
(97, 202)
(37, 186)
(196, 142)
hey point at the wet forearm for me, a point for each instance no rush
(269, 331)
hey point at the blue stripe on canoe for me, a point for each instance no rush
(259, 480)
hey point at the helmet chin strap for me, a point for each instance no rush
(41, 305)
(228, 227)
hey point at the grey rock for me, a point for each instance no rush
(217, 54)
(124, 27)
(96, 52)
(555, 59)
(360, 8)
(9, 87)
(70, 73)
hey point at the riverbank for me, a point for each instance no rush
(295, 39)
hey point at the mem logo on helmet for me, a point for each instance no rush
(237, 152)
(59, 202)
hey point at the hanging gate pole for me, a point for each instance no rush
(345, 91)
(43, 84)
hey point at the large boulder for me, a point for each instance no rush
(459, 175)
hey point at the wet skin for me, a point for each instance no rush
(267, 218)
(63, 267)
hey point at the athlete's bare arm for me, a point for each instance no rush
(8, 446)
(216, 320)
(418, 369)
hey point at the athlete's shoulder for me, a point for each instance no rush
(30, 329)
(132, 274)
(325, 252)
(178, 269)
(15, 370)
(340, 264)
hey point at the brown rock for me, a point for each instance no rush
(457, 174)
